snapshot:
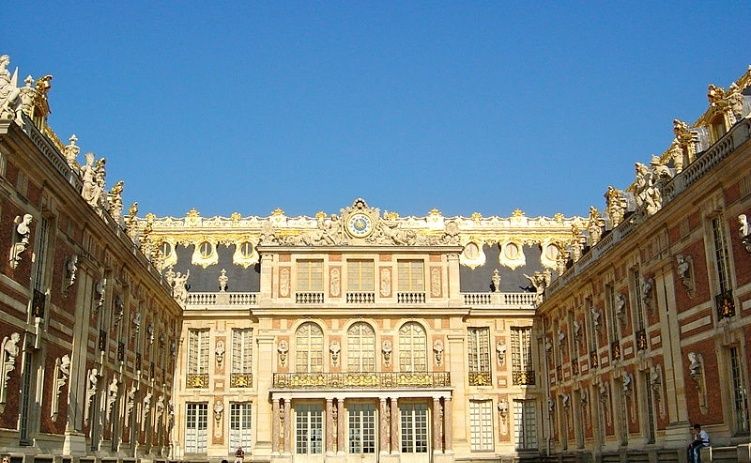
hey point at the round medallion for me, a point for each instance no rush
(359, 225)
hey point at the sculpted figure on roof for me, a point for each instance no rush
(615, 206)
(595, 225)
(8, 90)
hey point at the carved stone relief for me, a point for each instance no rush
(21, 237)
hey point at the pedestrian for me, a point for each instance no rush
(239, 455)
(701, 439)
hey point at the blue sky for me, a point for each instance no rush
(462, 106)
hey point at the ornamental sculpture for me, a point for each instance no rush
(223, 279)
(684, 270)
(91, 389)
(112, 392)
(647, 187)
(496, 281)
(115, 201)
(9, 353)
(60, 378)
(744, 230)
(71, 270)
(729, 103)
(21, 238)
(540, 282)
(595, 226)
(438, 351)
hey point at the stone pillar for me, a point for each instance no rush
(287, 426)
(275, 425)
(330, 426)
(436, 412)
(394, 426)
(340, 446)
(265, 418)
(384, 429)
(447, 428)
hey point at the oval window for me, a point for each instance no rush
(205, 249)
(471, 251)
(512, 251)
(246, 249)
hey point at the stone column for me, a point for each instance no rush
(383, 429)
(340, 446)
(447, 428)
(436, 412)
(275, 425)
(330, 426)
(287, 426)
(394, 426)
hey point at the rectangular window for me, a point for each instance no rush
(522, 370)
(479, 356)
(525, 425)
(414, 428)
(612, 316)
(198, 358)
(41, 252)
(636, 305)
(309, 429)
(196, 424)
(481, 425)
(650, 412)
(722, 266)
(740, 406)
(242, 350)
(591, 333)
(239, 426)
(573, 344)
(310, 275)
(411, 275)
(361, 428)
(360, 275)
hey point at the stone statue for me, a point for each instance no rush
(223, 279)
(71, 152)
(131, 221)
(21, 238)
(10, 351)
(616, 205)
(115, 201)
(496, 281)
(180, 289)
(686, 139)
(595, 225)
(627, 379)
(694, 365)
(71, 270)
(744, 230)
(540, 282)
(9, 91)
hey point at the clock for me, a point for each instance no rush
(359, 225)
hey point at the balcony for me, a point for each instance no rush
(197, 381)
(523, 377)
(410, 298)
(241, 380)
(361, 297)
(309, 298)
(362, 380)
(500, 300)
(480, 378)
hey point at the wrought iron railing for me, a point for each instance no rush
(241, 380)
(197, 381)
(362, 380)
(523, 377)
(480, 378)
(725, 304)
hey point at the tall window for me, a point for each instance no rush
(242, 357)
(361, 428)
(198, 357)
(309, 429)
(310, 275)
(635, 286)
(309, 348)
(650, 409)
(41, 254)
(360, 275)
(414, 428)
(239, 426)
(740, 406)
(411, 275)
(521, 356)
(481, 425)
(361, 348)
(525, 424)
(196, 423)
(479, 356)
(722, 266)
(412, 348)
(592, 334)
(612, 316)
(573, 343)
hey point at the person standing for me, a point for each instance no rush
(239, 455)
(701, 439)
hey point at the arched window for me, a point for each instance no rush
(309, 348)
(360, 347)
(412, 348)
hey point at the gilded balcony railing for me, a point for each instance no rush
(480, 378)
(523, 377)
(197, 381)
(241, 380)
(362, 380)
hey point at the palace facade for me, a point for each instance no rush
(364, 336)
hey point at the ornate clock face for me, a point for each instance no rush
(359, 225)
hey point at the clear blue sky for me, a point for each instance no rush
(463, 106)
